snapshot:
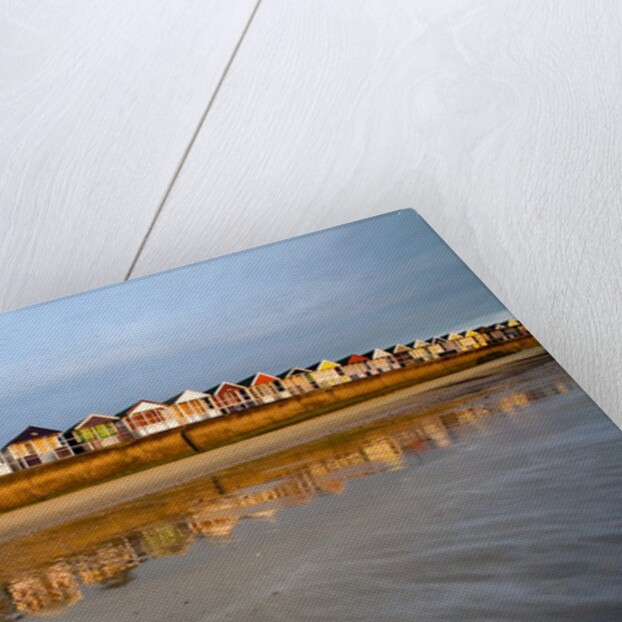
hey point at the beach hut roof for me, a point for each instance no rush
(258, 378)
(140, 406)
(185, 396)
(294, 371)
(225, 383)
(441, 339)
(92, 420)
(376, 353)
(418, 343)
(398, 347)
(353, 358)
(323, 364)
(33, 432)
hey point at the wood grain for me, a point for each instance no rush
(97, 104)
(499, 122)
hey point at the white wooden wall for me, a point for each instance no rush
(139, 136)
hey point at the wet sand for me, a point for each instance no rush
(98, 497)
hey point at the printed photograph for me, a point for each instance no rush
(346, 425)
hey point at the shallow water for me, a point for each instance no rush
(496, 499)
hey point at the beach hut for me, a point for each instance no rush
(520, 328)
(35, 446)
(327, 374)
(5, 469)
(95, 432)
(437, 346)
(480, 336)
(502, 328)
(419, 350)
(190, 406)
(265, 388)
(452, 342)
(145, 418)
(355, 366)
(495, 332)
(231, 397)
(467, 342)
(298, 380)
(402, 354)
(380, 361)
(512, 329)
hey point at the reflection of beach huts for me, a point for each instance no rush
(355, 366)
(409, 438)
(298, 380)
(7, 609)
(231, 397)
(110, 564)
(145, 417)
(210, 526)
(339, 461)
(383, 450)
(190, 406)
(292, 490)
(327, 374)
(380, 361)
(509, 403)
(46, 593)
(297, 488)
(264, 388)
(434, 429)
(474, 414)
(163, 540)
(95, 432)
(36, 446)
(324, 470)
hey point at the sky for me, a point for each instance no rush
(373, 283)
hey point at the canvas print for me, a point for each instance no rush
(343, 426)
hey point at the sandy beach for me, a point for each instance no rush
(98, 497)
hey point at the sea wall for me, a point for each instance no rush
(51, 479)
